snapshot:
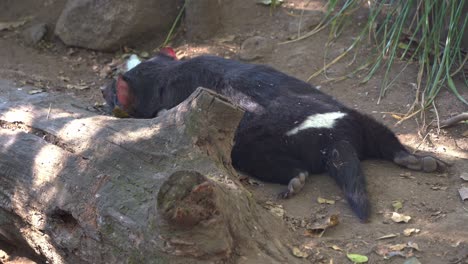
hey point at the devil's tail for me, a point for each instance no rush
(344, 166)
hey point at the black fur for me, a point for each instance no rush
(275, 103)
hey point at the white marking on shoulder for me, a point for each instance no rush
(326, 120)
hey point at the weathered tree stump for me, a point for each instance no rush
(76, 187)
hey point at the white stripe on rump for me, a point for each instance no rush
(326, 120)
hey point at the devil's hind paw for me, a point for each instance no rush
(420, 163)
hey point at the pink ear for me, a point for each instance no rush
(124, 95)
(169, 52)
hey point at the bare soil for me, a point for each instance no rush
(431, 199)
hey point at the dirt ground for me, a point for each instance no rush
(431, 199)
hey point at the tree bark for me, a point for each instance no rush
(76, 187)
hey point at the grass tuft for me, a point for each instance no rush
(423, 32)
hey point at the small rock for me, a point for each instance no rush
(463, 193)
(255, 48)
(32, 35)
(464, 176)
(112, 24)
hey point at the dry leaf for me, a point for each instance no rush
(318, 229)
(35, 91)
(77, 87)
(397, 205)
(397, 247)
(407, 175)
(456, 244)
(64, 78)
(337, 248)
(311, 244)
(321, 200)
(299, 253)
(387, 251)
(270, 2)
(436, 188)
(409, 231)
(396, 217)
(276, 209)
(333, 220)
(413, 245)
(387, 236)
(228, 38)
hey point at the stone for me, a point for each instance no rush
(256, 47)
(110, 24)
(33, 34)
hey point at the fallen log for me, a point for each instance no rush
(77, 187)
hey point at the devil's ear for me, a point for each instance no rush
(124, 94)
(168, 51)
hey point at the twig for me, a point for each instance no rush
(48, 112)
(301, 18)
(169, 35)
(422, 142)
(437, 116)
(453, 120)
(462, 65)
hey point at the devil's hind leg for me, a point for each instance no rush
(265, 162)
(276, 169)
(344, 166)
(418, 163)
(380, 142)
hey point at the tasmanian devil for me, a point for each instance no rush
(289, 130)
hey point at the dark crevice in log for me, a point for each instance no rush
(186, 199)
(63, 218)
(12, 240)
(49, 138)
(20, 251)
